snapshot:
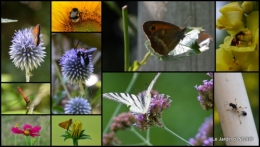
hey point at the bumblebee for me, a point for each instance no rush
(75, 15)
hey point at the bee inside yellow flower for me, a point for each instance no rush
(76, 16)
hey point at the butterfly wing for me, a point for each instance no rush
(134, 101)
(163, 36)
(36, 34)
(148, 97)
(66, 124)
(138, 104)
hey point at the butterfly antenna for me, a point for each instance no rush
(77, 45)
(187, 20)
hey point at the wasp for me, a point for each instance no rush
(239, 109)
(75, 15)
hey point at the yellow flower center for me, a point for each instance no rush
(26, 132)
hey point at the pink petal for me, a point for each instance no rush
(33, 135)
(35, 129)
(27, 126)
(16, 130)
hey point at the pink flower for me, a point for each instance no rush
(27, 130)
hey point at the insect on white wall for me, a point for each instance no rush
(239, 109)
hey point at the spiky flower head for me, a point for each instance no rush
(23, 51)
(76, 65)
(78, 105)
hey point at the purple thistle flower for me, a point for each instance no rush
(78, 105)
(158, 105)
(76, 65)
(24, 53)
(206, 93)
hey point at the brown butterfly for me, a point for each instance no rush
(163, 36)
(36, 35)
(66, 124)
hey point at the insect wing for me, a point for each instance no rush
(66, 124)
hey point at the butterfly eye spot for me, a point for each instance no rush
(153, 28)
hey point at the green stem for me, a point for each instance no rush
(141, 137)
(27, 74)
(145, 58)
(61, 79)
(26, 139)
(75, 142)
(15, 143)
(114, 7)
(126, 36)
(82, 91)
(170, 131)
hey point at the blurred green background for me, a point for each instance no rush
(12, 101)
(184, 117)
(91, 124)
(9, 121)
(28, 14)
(251, 81)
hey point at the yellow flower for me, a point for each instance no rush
(231, 18)
(76, 16)
(244, 56)
(76, 129)
(247, 7)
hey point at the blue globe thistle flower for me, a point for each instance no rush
(78, 105)
(76, 65)
(24, 53)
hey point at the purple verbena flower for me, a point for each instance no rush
(204, 136)
(158, 104)
(206, 93)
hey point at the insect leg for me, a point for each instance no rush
(239, 117)
(242, 107)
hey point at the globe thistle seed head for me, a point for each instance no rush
(78, 105)
(76, 65)
(24, 53)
